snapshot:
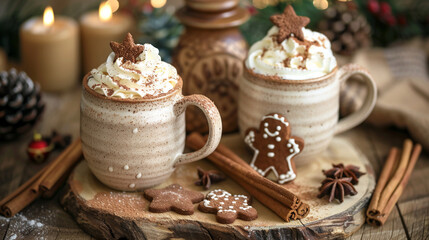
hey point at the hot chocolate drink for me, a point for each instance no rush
(292, 71)
(133, 120)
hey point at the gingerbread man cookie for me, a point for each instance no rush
(274, 147)
(228, 207)
(174, 198)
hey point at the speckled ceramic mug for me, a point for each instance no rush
(310, 105)
(133, 144)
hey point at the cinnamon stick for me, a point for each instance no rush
(230, 154)
(24, 186)
(196, 141)
(303, 209)
(398, 175)
(52, 167)
(284, 212)
(67, 162)
(19, 198)
(373, 209)
(52, 175)
(51, 192)
(18, 203)
(381, 219)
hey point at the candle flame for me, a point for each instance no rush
(321, 4)
(158, 3)
(105, 11)
(48, 16)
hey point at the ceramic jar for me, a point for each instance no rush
(209, 57)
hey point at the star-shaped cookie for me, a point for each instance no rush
(127, 49)
(173, 198)
(289, 23)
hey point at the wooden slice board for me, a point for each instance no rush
(108, 214)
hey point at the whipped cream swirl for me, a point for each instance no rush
(292, 59)
(149, 76)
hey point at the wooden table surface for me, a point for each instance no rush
(45, 219)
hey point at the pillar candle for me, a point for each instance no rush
(50, 52)
(97, 34)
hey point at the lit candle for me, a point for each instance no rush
(98, 29)
(50, 51)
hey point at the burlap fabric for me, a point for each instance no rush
(403, 84)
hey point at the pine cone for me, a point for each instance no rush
(20, 104)
(345, 27)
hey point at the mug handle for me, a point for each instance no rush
(215, 127)
(361, 114)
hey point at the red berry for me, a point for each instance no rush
(252, 10)
(402, 20)
(390, 20)
(373, 6)
(385, 8)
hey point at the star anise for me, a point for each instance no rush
(337, 188)
(59, 141)
(340, 171)
(289, 23)
(127, 49)
(206, 178)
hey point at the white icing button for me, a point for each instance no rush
(135, 130)
(291, 150)
(270, 154)
(270, 146)
(110, 169)
(276, 115)
(139, 175)
(126, 167)
(266, 124)
(265, 135)
(132, 185)
(279, 128)
(289, 145)
(278, 139)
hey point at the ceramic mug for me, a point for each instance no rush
(132, 144)
(310, 105)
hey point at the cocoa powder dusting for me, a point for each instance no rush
(264, 50)
(123, 204)
(286, 62)
(117, 81)
(110, 92)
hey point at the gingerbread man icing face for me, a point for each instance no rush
(274, 147)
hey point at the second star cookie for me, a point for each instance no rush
(274, 147)
(173, 198)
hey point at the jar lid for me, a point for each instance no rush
(212, 14)
(211, 5)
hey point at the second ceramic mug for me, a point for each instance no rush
(132, 144)
(310, 105)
